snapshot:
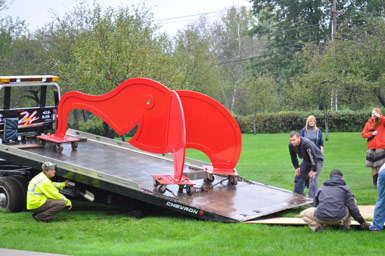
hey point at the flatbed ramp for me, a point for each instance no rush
(120, 168)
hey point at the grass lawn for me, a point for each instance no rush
(89, 229)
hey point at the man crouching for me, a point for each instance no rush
(334, 205)
(43, 196)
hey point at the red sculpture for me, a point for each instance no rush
(169, 121)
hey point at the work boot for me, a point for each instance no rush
(364, 225)
(375, 178)
(34, 216)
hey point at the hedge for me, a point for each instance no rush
(294, 121)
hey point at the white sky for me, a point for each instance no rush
(39, 12)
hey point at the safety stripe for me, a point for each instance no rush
(37, 183)
(34, 193)
(63, 198)
(56, 184)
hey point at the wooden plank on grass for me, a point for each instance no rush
(285, 221)
(367, 212)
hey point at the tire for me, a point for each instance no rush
(233, 180)
(190, 189)
(210, 178)
(42, 142)
(161, 188)
(74, 145)
(58, 147)
(22, 191)
(8, 195)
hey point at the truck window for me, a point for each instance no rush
(29, 97)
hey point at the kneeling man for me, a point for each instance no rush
(43, 196)
(334, 205)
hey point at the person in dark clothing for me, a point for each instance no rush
(311, 165)
(334, 205)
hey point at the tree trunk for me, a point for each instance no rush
(326, 124)
(76, 119)
(107, 130)
(380, 96)
(86, 115)
(233, 99)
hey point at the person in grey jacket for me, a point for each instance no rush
(311, 165)
(334, 205)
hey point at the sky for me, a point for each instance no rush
(168, 12)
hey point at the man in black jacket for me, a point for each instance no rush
(334, 205)
(311, 165)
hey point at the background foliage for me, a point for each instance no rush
(276, 57)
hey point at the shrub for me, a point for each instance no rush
(294, 121)
(94, 125)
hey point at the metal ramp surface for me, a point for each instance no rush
(120, 168)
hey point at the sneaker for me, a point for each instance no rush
(320, 229)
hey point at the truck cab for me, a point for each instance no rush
(28, 106)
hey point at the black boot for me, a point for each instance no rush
(375, 177)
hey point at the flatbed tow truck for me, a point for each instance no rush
(106, 170)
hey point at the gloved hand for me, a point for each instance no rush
(364, 225)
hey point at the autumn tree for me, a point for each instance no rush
(259, 95)
(194, 61)
(232, 43)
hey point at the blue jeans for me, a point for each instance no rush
(379, 211)
(299, 181)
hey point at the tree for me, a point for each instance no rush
(194, 62)
(10, 31)
(259, 93)
(97, 50)
(295, 23)
(369, 51)
(351, 66)
(232, 43)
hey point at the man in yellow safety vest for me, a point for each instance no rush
(43, 196)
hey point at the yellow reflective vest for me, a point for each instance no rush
(40, 188)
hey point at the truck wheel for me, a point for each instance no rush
(21, 186)
(8, 197)
(233, 180)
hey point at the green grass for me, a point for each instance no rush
(90, 230)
